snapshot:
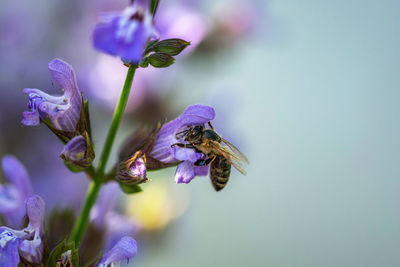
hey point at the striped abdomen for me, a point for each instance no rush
(219, 172)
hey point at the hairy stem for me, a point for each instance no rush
(97, 178)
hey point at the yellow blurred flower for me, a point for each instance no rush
(158, 204)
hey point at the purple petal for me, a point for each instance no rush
(133, 170)
(106, 202)
(138, 168)
(10, 199)
(184, 172)
(16, 174)
(63, 111)
(35, 211)
(64, 75)
(193, 115)
(117, 226)
(32, 250)
(30, 118)
(13, 195)
(8, 248)
(125, 35)
(201, 170)
(75, 149)
(125, 249)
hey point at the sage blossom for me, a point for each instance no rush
(14, 194)
(125, 34)
(156, 150)
(125, 249)
(63, 111)
(27, 242)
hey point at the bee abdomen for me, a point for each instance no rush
(219, 173)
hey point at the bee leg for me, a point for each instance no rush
(204, 162)
(209, 124)
(186, 146)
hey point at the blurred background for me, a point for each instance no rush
(308, 90)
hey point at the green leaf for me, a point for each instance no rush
(144, 63)
(130, 189)
(160, 60)
(171, 47)
(153, 6)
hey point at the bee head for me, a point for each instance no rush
(194, 133)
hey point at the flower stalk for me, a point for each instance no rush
(98, 175)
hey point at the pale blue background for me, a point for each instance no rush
(317, 100)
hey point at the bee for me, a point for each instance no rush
(220, 154)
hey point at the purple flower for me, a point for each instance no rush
(27, 242)
(104, 217)
(181, 21)
(125, 34)
(163, 152)
(125, 249)
(63, 111)
(14, 194)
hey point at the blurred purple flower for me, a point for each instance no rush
(26, 242)
(104, 217)
(179, 21)
(63, 111)
(162, 150)
(125, 249)
(125, 34)
(14, 194)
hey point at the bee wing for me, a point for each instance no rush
(235, 151)
(231, 155)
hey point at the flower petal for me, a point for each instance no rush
(75, 149)
(193, 115)
(106, 202)
(63, 111)
(64, 75)
(16, 174)
(125, 34)
(184, 172)
(30, 118)
(201, 170)
(35, 211)
(125, 249)
(8, 248)
(32, 250)
(117, 226)
(14, 194)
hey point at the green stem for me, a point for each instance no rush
(97, 178)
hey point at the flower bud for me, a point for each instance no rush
(78, 153)
(133, 170)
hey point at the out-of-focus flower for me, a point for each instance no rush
(164, 152)
(27, 242)
(125, 249)
(63, 111)
(113, 224)
(14, 194)
(158, 205)
(125, 34)
(178, 21)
